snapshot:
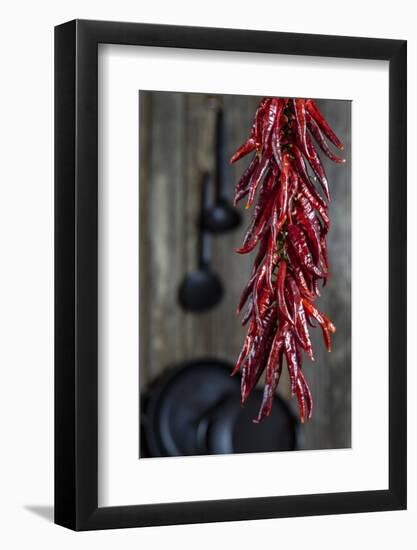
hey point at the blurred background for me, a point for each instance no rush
(189, 404)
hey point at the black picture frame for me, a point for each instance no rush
(76, 271)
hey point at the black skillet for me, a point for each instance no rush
(194, 409)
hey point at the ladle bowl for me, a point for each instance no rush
(200, 290)
(221, 217)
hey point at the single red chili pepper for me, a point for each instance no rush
(320, 209)
(299, 390)
(317, 167)
(245, 149)
(260, 171)
(263, 247)
(307, 208)
(277, 219)
(300, 323)
(265, 297)
(302, 171)
(256, 233)
(301, 123)
(274, 197)
(267, 316)
(307, 147)
(260, 299)
(252, 370)
(307, 394)
(248, 312)
(242, 186)
(282, 304)
(256, 130)
(276, 350)
(302, 331)
(316, 285)
(292, 308)
(329, 324)
(291, 357)
(320, 317)
(255, 364)
(273, 374)
(319, 137)
(260, 217)
(308, 276)
(246, 292)
(285, 183)
(298, 351)
(293, 299)
(311, 232)
(299, 243)
(324, 322)
(270, 261)
(314, 111)
(276, 131)
(301, 282)
(270, 116)
(247, 344)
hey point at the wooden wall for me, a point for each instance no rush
(176, 146)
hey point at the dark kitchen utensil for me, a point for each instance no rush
(221, 216)
(201, 289)
(194, 409)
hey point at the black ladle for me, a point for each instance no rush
(222, 216)
(201, 289)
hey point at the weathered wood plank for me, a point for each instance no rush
(162, 225)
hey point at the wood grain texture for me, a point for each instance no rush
(176, 146)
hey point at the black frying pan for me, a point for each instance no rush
(194, 409)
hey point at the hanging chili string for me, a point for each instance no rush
(289, 226)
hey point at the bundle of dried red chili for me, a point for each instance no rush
(289, 223)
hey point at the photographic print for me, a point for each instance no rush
(212, 246)
(244, 274)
